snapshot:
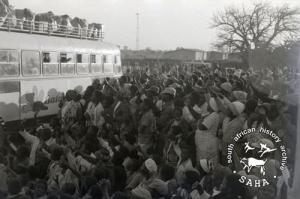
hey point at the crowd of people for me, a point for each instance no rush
(155, 136)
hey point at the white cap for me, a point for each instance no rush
(239, 107)
(226, 86)
(204, 165)
(213, 104)
(169, 90)
(141, 192)
(151, 165)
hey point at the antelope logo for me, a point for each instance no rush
(248, 147)
(264, 149)
(249, 163)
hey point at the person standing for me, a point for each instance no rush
(71, 111)
(206, 140)
(146, 126)
(94, 111)
(168, 95)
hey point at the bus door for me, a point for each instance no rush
(117, 65)
(108, 66)
(9, 85)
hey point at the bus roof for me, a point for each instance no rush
(27, 41)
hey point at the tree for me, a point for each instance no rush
(259, 27)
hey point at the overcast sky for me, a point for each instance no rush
(164, 24)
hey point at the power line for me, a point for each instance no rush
(137, 31)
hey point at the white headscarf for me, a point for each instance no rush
(213, 104)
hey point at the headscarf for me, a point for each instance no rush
(213, 104)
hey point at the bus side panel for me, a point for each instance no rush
(80, 83)
(9, 100)
(48, 91)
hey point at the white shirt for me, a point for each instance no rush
(34, 141)
(95, 113)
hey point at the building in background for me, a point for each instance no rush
(149, 59)
(213, 56)
(185, 54)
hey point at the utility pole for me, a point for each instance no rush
(137, 31)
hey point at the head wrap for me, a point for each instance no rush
(151, 165)
(141, 192)
(204, 165)
(240, 96)
(226, 86)
(170, 91)
(239, 107)
(213, 104)
(153, 89)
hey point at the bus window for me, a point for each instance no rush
(93, 59)
(50, 63)
(104, 59)
(82, 61)
(9, 65)
(108, 61)
(31, 63)
(96, 64)
(67, 63)
(118, 64)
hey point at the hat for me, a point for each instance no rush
(71, 94)
(141, 192)
(151, 165)
(170, 91)
(239, 107)
(215, 89)
(153, 89)
(240, 96)
(226, 86)
(159, 186)
(102, 154)
(175, 85)
(204, 165)
(198, 89)
(213, 104)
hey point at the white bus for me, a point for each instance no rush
(37, 67)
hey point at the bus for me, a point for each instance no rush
(42, 67)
